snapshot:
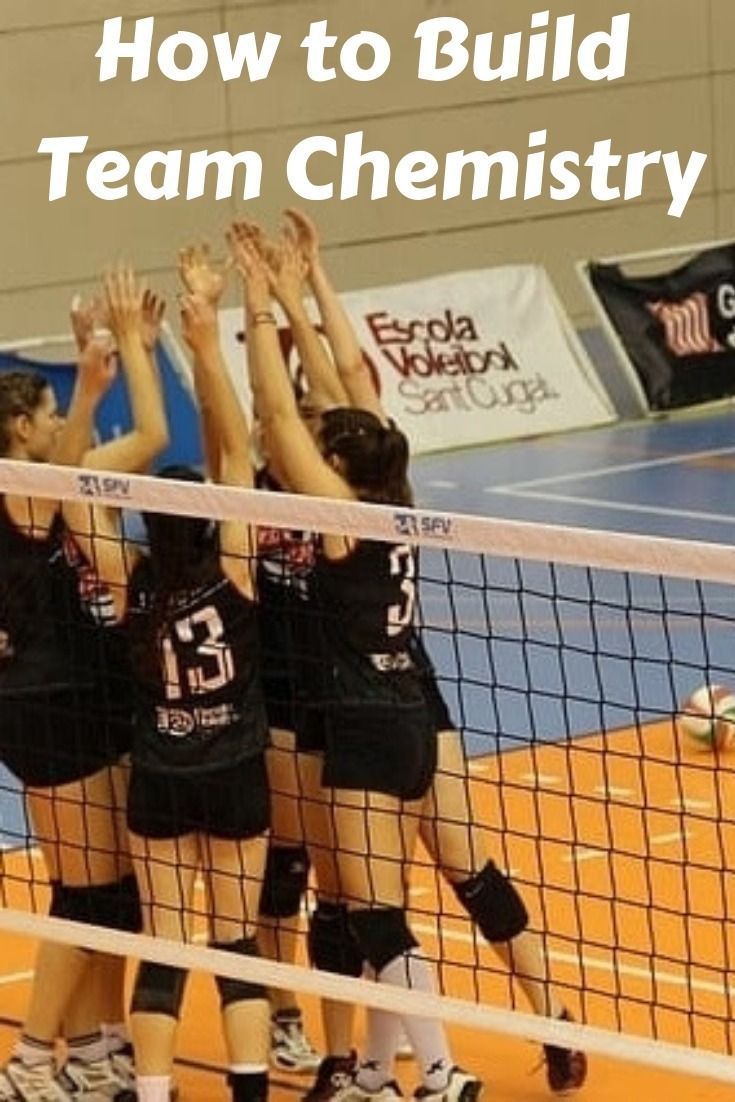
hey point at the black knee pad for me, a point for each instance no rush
(382, 934)
(238, 991)
(493, 903)
(159, 989)
(115, 905)
(285, 880)
(333, 946)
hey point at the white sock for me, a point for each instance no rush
(153, 1088)
(383, 1036)
(428, 1036)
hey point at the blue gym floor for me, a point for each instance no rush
(543, 655)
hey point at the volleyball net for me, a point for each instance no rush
(597, 776)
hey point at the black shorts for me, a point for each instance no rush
(231, 803)
(51, 739)
(377, 749)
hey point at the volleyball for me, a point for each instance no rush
(707, 717)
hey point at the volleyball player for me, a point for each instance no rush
(283, 562)
(53, 734)
(380, 749)
(198, 795)
(448, 826)
(292, 671)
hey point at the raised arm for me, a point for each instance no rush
(293, 448)
(95, 372)
(352, 369)
(205, 283)
(287, 272)
(134, 315)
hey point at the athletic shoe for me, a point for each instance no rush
(352, 1092)
(93, 1078)
(123, 1064)
(33, 1082)
(461, 1087)
(566, 1068)
(290, 1047)
(334, 1074)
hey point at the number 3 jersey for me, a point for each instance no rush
(196, 665)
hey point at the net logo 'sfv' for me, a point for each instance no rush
(94, 485)
(419, 524)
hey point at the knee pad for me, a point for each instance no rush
(159, 989)
(115, 905)
(382, 934)
(333, 946)
(238, 991)
(493, 903)
(285, 880)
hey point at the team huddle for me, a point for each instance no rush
(234, 704)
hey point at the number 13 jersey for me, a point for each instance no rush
(197, 672)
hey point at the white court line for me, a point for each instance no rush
(616, 506)
(585, 853)
(15, 977)
(442, 484)
(675, 836)
(581, 961)
(683, 803)
(616, 793)
(543, 780)
(617, 468)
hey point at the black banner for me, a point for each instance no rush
(678, 328)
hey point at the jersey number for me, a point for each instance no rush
(203, 668)
(402, 565)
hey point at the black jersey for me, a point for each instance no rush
(196, 669)
(45, 643)
(285, 556)
(367, 602)
(380, 733)
(113, 688)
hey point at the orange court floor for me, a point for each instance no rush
(622, 849)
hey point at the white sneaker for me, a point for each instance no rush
(461, 1087)
(33, 1083)
(91, 1078)
(291, 1049)
(352, 1092)
(123, 1065)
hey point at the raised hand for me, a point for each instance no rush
(154, 307)
(287, 273)
(252, 267)
(85, 318)
(307, 235)
(200, 275)
(97, 365)
(124, 298)
(198, 320)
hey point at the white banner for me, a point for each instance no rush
(467, 358)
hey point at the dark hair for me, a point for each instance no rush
(21, 393)
(374, 456)
(184, 551)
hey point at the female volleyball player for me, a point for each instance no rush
(284, 561)
(56, 735)
(380, 748)
(198, 797)
(301, 806)
(448, 825)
